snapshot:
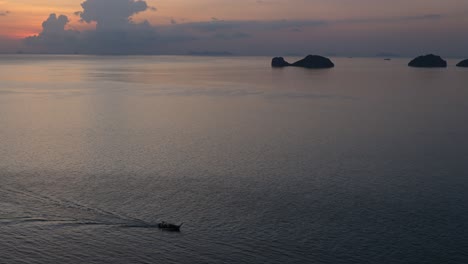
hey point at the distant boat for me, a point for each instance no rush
(387, 59)
(169, 227)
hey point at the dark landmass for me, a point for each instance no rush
(279, 62)
(210, 53)
(428, 61)
(463, 64)
(314, 62)
(309, 62)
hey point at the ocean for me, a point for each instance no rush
(363, 163)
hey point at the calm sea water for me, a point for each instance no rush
(364, 163)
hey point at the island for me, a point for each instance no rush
(428, 61)
(279, 62)
(463, 64)
(309, 62)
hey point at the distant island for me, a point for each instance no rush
(463, 64)
(428, 61)
(309, 62)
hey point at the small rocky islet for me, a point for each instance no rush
(309, 62)
(463, 64)
(433, 61)
(428, 61)
(279, 62)
(320, 62)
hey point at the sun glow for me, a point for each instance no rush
(235, 25)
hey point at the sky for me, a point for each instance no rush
(241, 27)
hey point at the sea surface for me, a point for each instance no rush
(363, 163)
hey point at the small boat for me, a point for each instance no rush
(169, 227)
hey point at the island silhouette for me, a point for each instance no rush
(428, 61)
(463, 64)
(309, 62)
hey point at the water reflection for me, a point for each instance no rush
(289, 166)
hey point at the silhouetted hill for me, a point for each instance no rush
(314, 62)
(428, 61)
(279, 62)
(463, 64)
(310, 62)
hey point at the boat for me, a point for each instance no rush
(169, 227)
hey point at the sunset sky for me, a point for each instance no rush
(250, 27)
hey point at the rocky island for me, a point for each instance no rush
(279, 62)
(463, 64)
(309, 62)
(428, 61)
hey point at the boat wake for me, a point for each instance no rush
(31, 208)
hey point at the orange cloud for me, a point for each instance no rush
(25, 17)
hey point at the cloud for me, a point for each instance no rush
(54, 38)
(111, 14)
(54, 25)
(117, 33)
(222, 26)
